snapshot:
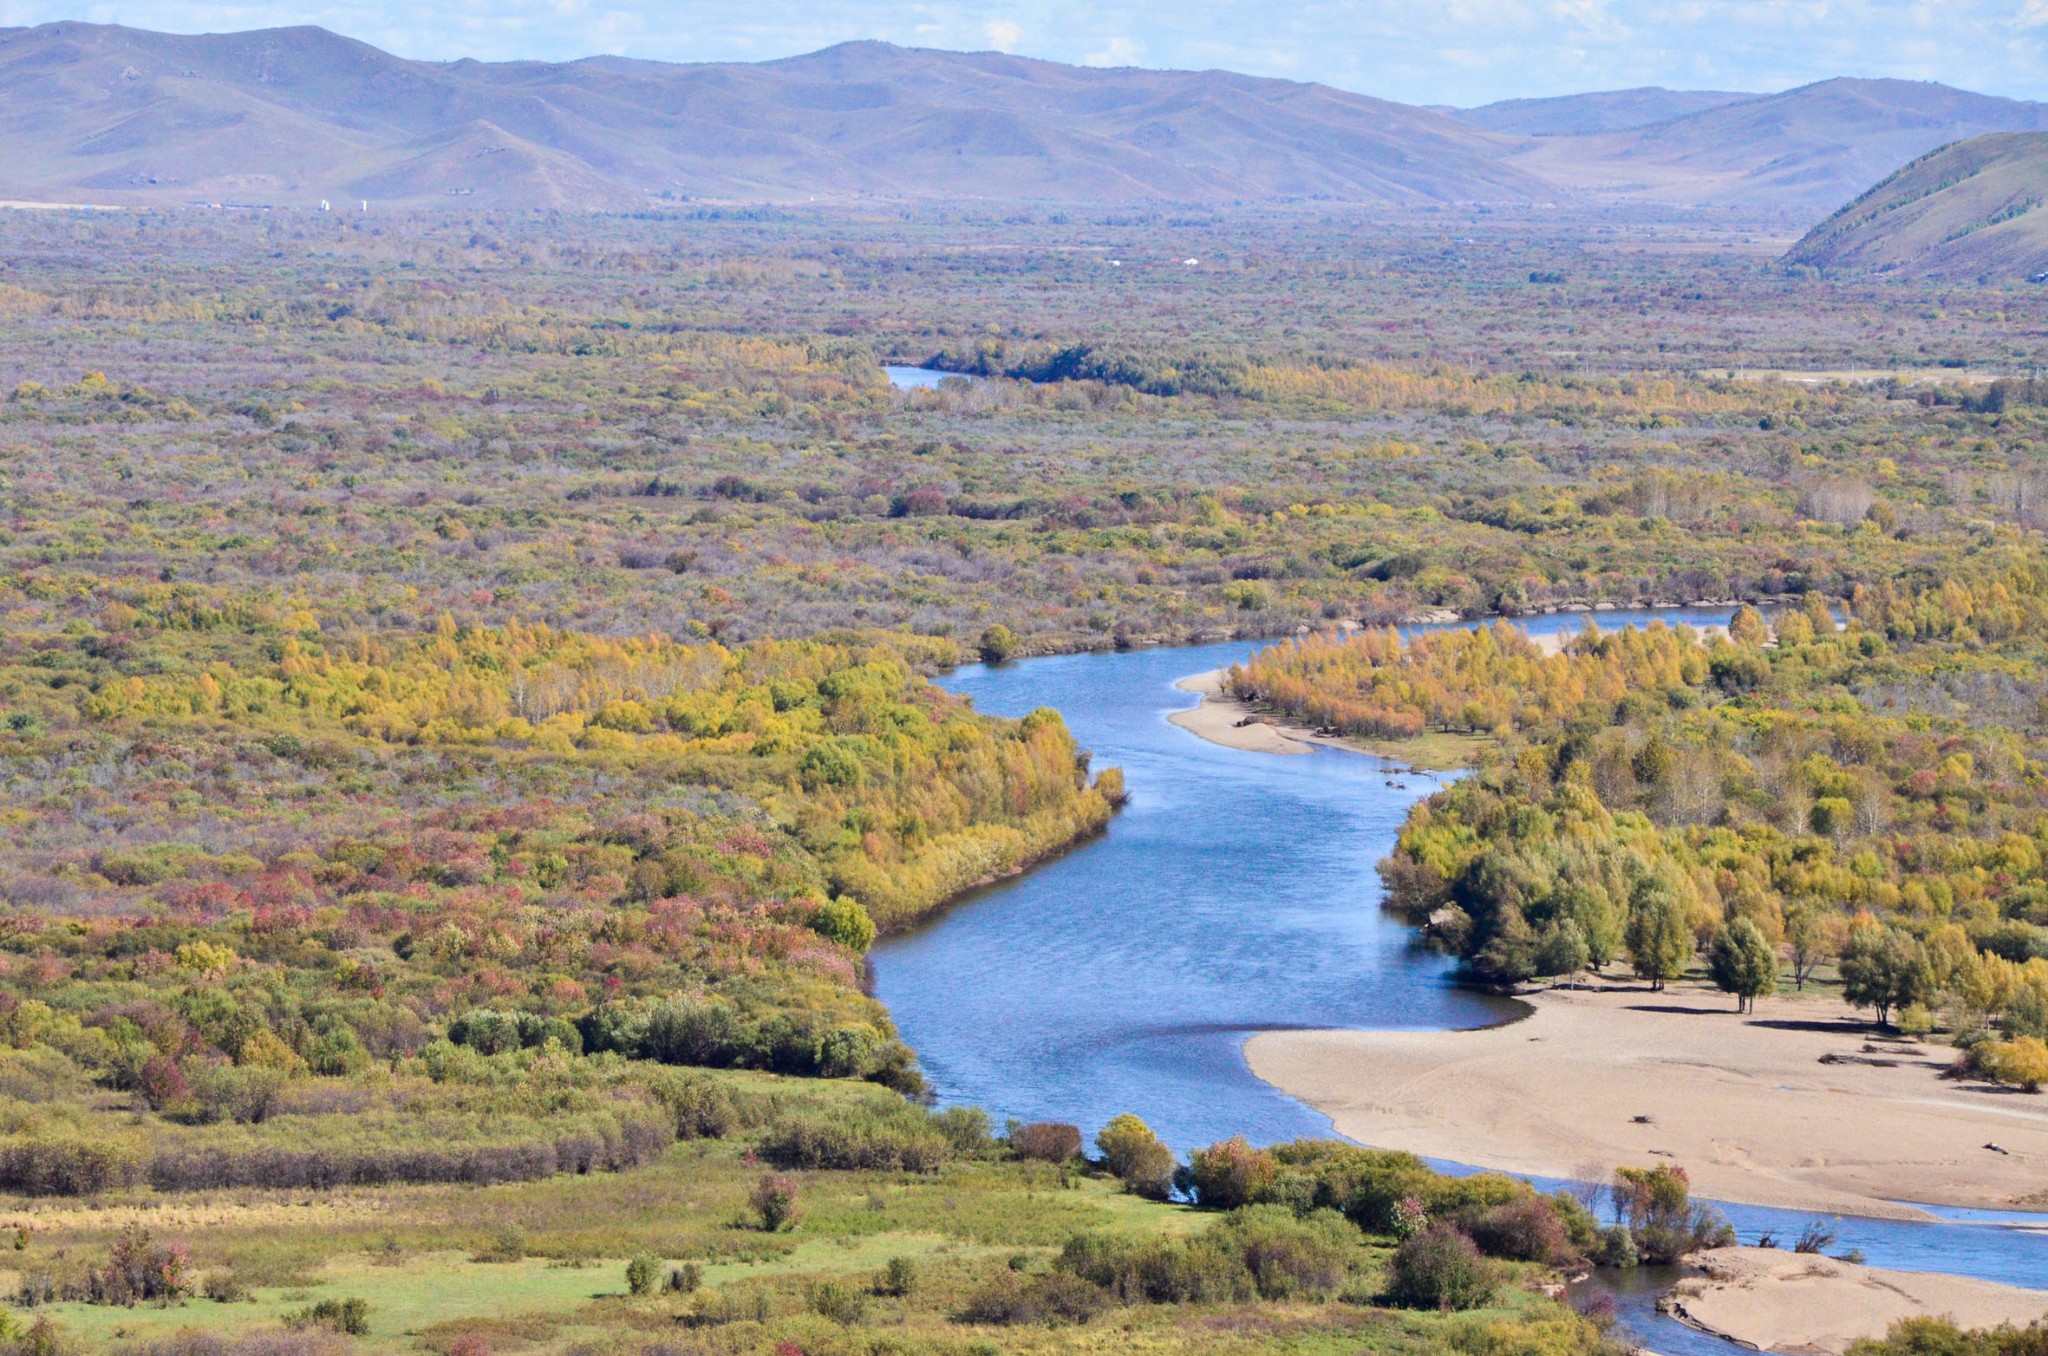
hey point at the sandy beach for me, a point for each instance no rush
(1785, 1301)
(1227, 721)
(1794, 1106)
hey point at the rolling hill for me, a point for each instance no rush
(1607, 111)
(290, 116)
(1978, 208)
(1801, 153)
(293, 115)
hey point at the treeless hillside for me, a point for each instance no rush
(1607, 111)
(1972, 209)
(294, 115)
(290, 116)
(1801, 153)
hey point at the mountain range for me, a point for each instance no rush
(290, 116)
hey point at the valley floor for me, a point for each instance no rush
(1797, 1106)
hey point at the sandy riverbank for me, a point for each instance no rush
(1220, 720)
(1593, 1080)
(1784, 1301)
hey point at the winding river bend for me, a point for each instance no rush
(1235, 894)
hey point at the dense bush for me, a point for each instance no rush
(841, 1303)
(139, 1269)
(1046, 1141)
(350, 1316)
(774, 1200)
(1266, 1251)
(1440, 1268)
(899, 1139)
(1289, 1256)
(1227, 1175)
(626, 1140)
(1013, 1299)
(1662, 1220)
(1201, 1269)
(1526, 1230)
(1930, 1336)
(43, 1167)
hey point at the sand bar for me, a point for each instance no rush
(1784, 1301)
(1225, 720)
(1746, 1104)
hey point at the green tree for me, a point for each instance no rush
(997, 644)
(1137, 1156)
(1659, 942)
(1747, 627)
(1743, 962)
(1562, 949)
(1885, 968)
(1602, 923)
(844, 921)
(1806, 934)
(1509, 956)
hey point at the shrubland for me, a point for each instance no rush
(464, 719)
(733, 1241)
(606, 425)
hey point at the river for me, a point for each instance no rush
(920, 378)
(1236, 893)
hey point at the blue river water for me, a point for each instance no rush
(919, 378)
(1236, 893)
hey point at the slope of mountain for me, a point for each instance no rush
(1607, 111)
(1803, 152)
(1978, 208)
(291, 115)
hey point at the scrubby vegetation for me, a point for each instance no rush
(302, 896)
(982, 1240)
(463, 722)
(1941, 1337)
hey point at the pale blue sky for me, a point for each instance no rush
(1417, 51)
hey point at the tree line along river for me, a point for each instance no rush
(1237, 893)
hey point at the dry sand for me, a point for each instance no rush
(1783, 1301)
(1592, 1080)
(1227, 721)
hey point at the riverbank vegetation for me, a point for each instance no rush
(792, 1222)
(278, 901)
(1858, 795)
(464, 719)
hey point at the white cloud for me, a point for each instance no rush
(1005, 35)
(1118, 51)
(2033, 14)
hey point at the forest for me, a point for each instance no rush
(1856, 788)
(465, 717)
